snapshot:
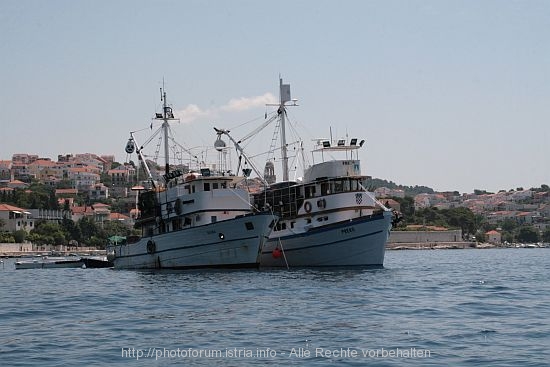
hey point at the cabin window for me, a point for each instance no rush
(338, 186)
(308, 220)
(292, 224)
(213, 219)
(214, 186)
(207, 186)
(188, 188)
(223, 185)
(354, 186)
(249, 226)
(309, 191)
(187, 221)
(325, 188)
(198, 218)
(193, 189)
(346, 185)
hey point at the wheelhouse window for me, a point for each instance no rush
(207, 186)
(346, 185)
(325, 188)
(310, 191)
(338, 186)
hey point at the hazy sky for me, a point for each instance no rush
(454, 95)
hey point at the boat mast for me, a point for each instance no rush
(284, 93)
(283, 127)
(165, 115)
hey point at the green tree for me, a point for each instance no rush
(88, 228)
(528, 234)
(20, 236)
(508, 237)
(546, 235)
(71, 230)
(407, 206)
(481, 236)
(48, 232)
(508, 225)
(462, 218)
(6, 237)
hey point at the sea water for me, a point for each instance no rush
(439, 307)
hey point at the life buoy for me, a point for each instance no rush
(151, 247)
(307, 206)
(190, 178)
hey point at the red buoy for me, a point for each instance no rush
(277, 253)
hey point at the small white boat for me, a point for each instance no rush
(50, 262)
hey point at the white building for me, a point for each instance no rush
(15, 218)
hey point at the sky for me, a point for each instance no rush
(454, 95)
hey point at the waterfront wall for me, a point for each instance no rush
(22, 248)
(425, 236)
(15, 247)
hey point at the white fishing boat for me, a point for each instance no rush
(192, 219)
(328, 218)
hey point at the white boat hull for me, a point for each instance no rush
(359, 242)
(50, 264)
(234, 243)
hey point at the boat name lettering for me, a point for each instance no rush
(348, 230)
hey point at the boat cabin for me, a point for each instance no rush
(193, 200)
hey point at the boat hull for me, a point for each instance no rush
(234, 243)
(359, 242)
(49, 264)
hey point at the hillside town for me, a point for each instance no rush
(93, 190)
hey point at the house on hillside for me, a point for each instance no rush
(15, 218)
(98, 192)
(5, 171)
(494, 237)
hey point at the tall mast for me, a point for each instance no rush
(284, 90)
(165, 130)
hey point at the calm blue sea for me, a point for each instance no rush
(446, 307)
